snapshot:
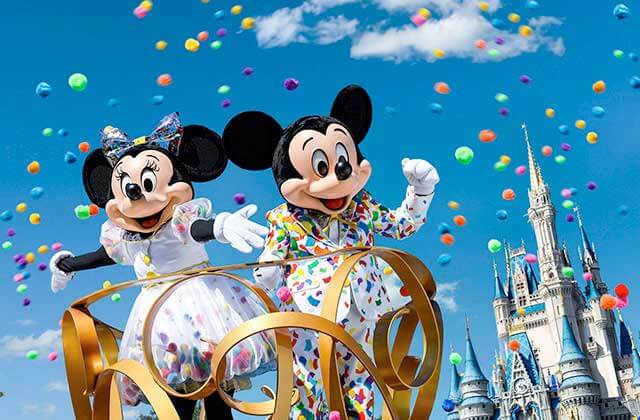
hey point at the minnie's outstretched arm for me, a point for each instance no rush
(64, 264)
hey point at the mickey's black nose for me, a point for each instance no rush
(133, 191)
(343, 169)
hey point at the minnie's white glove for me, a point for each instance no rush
(59, 279)
(421, 175)
(236, 229)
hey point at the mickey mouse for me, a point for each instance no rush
(155, 224)
(320, 171)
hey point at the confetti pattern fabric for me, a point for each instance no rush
(295, 233)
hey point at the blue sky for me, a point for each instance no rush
(325, 44)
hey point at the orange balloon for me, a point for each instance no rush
(203, 36)
(93, 209)
(164, 79)
(447, 239)
(487, 136)
(607, 302)
(84, 147)
(481, 44)
(514, 345)
(442, 88)
(599, 86)
(547, 150)
(508, 194)
(460, 220)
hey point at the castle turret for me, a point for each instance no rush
(500, 306)
(454, 392)
(475, 403)
(579, 392)
(588, 257)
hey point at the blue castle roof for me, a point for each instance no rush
(594, 294)
(527, 357)
(577, 380)
(454, 386)
(626, 345)
(472, 370)
(570, 348)
(499, 290)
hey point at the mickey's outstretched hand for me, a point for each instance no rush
(240, 232)
(421, 175)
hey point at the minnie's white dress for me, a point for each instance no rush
(206, 307)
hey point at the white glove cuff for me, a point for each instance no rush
(53, 263)
(424, 189)
(218, 227)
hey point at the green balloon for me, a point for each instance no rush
(499, 166)
(567, 271)
(494, 245)
(82, 212)
(464, 155)
(560, 159)
(215, 45)
(22, 288)
(455, 358)
(224, 89)
(78, 82)
(47, 132)
(115, 297)
(32, 355)
(618, 53)
(568, 204)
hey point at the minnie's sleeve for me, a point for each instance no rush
(403, 221)
(111, 238)
(185, 215)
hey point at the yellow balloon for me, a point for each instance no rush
(248, 23)
(581, 124)
(425, 13)
(592, 137)
(505, 159)
(513, 17)
(453, 205)
(21, 207)
(192, 45)
(236, 10)
(525, 30)
(147, 5)
(43, 249)
(161, 45)
(106, 284)
(438, 53)
(484, 6)
(30, 257)
(34, 218)
(550, 112)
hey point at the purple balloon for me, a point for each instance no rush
(565, 146)
(247, 71)
(525, 79)
(291, 83)
(221, 32)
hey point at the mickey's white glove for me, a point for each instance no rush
(236, 229)
(59, 279)
(421, 175)
(268, 277)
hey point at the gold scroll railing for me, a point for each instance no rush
(91, 349)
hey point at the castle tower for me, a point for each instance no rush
(475, 404)
(454, 392)
(499, 376)
(588, 257)
(500, 306)
(579, 392)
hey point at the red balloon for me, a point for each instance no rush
(514, 345)
(622, 291)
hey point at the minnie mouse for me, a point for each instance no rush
(155, 224)
(321, 172)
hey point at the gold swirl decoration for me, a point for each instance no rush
(91, 346)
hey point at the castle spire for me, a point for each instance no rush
(535, 175)
(472, 370)
(570, 348)
(586, 244)
(454, 386)
(626, 343)
(499, 292)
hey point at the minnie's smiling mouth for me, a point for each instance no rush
(334, 203)
(149, 222)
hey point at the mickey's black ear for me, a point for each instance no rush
(96, 177)
(353, 108)
(201, 153)
(250, 140)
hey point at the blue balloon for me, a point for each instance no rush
(597, 111)
(112, 103)
(6, 215)
(623, 210)
(502, 215)
(633, 57)
(69, 157)
(390, 110)
(36, 192)
(531, 4)
(498, 23)
(63, 132)
(574, 191)
(444, 228)
(436, 108)
(43, 89)
(448, 405)
(157, 99)
(634, 82)
(621, 11)
(563, 129)
(444, 259)
(219, 15)
(25, 275)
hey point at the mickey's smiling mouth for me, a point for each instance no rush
(151, 221)
(334, 203)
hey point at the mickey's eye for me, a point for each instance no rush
(320, 163)
(124, 181)
(149, 180)
(341, 153)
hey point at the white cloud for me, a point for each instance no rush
(37, 410)
(25, 322)
(56, 386)
(441, 6)
(446, 296)
(282, 27)
(334, 29)
(319, 6)
(13, 346)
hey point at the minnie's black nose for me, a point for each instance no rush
(133, 191)
(343, 169)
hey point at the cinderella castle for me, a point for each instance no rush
(569, 362)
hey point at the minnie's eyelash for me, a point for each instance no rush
(152, 165)
(119, 175)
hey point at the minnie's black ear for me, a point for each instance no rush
(250, 140)
(96, 177)
(201, 153)
(353, 108)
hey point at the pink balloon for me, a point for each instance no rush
(587, 276)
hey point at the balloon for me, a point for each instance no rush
(464, 155)
(501, 214)
(444, 259)
(621, 11)
(607, 302)
(514, 345)
(487, 136)
(494, 245)
(599, 86)
(455, 358)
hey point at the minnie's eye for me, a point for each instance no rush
(124, 181)
(149, 180)
(320, 163)
(341, 153)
